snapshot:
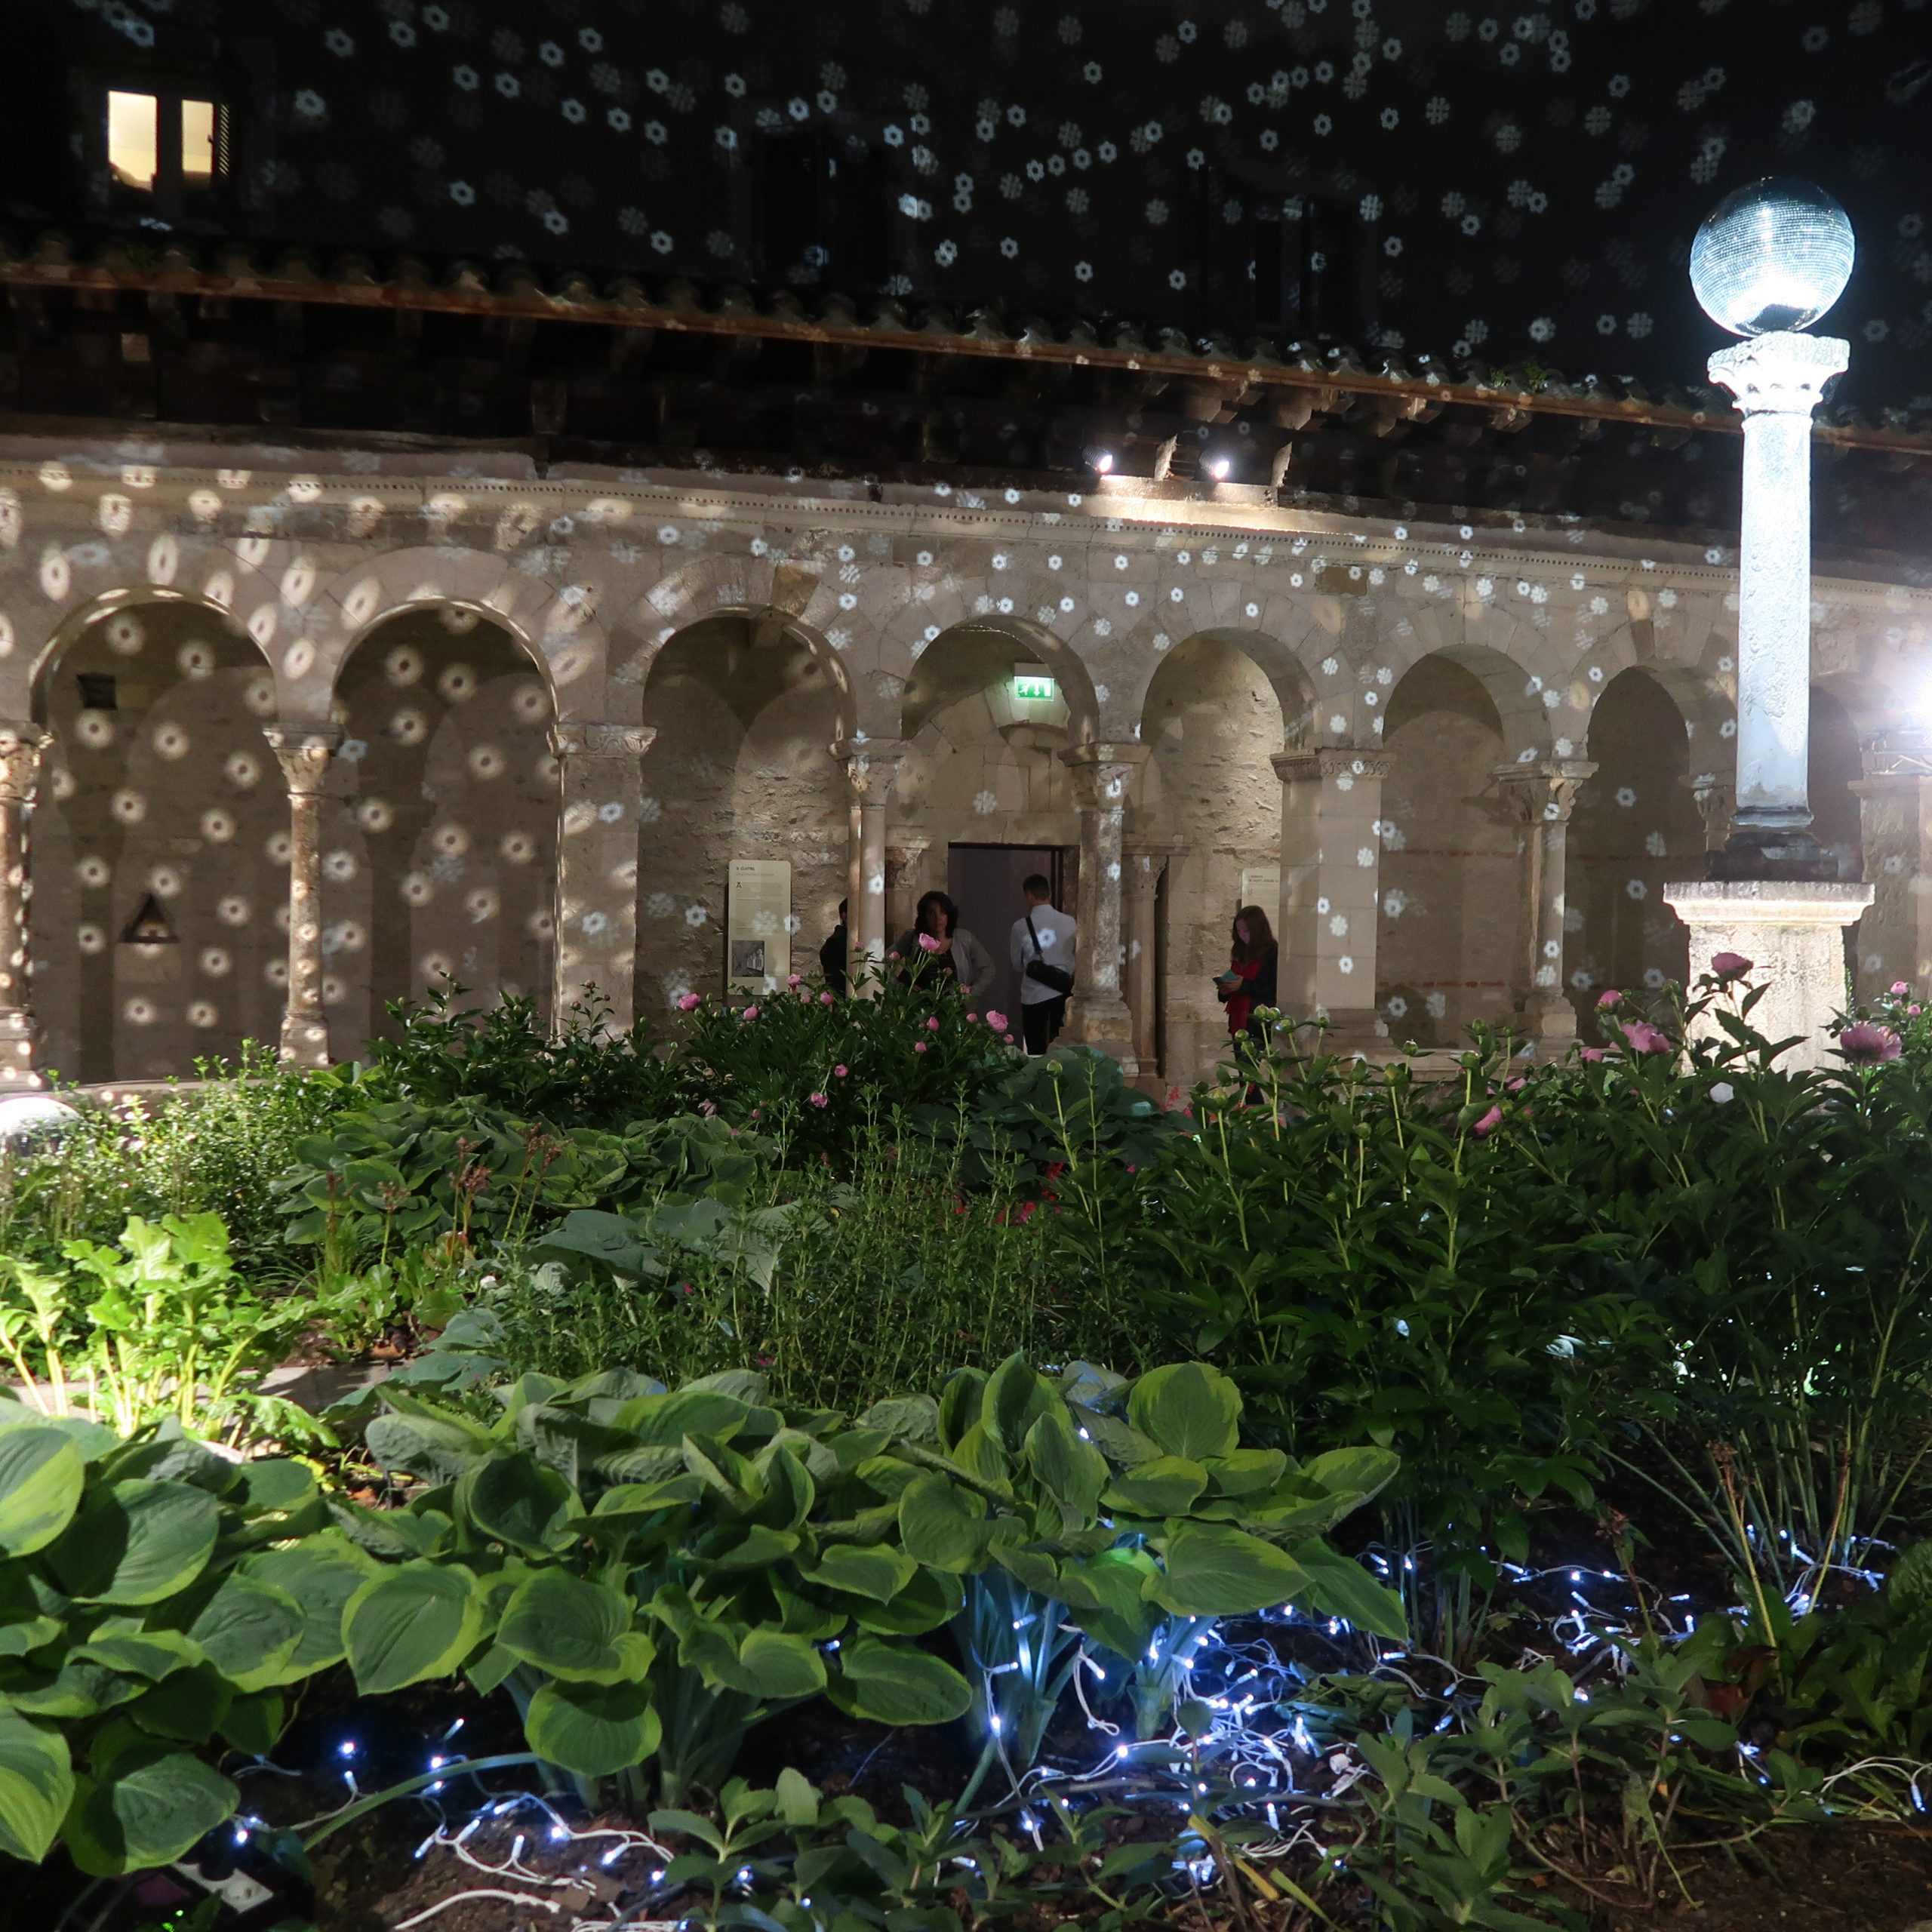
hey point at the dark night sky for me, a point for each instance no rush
(1514, 182)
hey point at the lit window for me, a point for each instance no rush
(133, 132)
(199, 121)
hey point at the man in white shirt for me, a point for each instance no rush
(1043, 934)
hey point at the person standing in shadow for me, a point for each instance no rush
(831, 956)
(1249, 983)
(1042, 954)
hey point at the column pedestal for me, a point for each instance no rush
(1097, 1014)
(1542, 796)
(303, 751)
(600, 789)
(21, 747)
(1793, 932)
(1331, 898)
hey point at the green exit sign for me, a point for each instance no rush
(1032, 685)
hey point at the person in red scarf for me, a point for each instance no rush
(1249, 983)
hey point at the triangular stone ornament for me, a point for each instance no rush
(150, 925)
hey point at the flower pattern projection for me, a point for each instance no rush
(1518, 183)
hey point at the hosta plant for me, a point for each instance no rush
(156, 1600)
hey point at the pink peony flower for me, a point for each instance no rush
(1007, 1038)
(825, 999)
(1487, 1125)
(1899, 986)
(707, 1108)
(920, 1047)
(928, 944)
(932, 1025)
(821, 1099)
(689, 1002)
(1641, 1037)
(1591, 1053)
(1730, 965)
(1914, 1011)
(1866, 1044)
(1608, 997)
(997, 1021)
(751, 1013)
(839, 1072)
(793, 979)
(1516, 1085)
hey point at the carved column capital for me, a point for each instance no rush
(1332, 761)
(21, 747)
(303, 751)
(1782, 374)
(871, 766)
(578, 738)
(1103, 772)
(1544, 793)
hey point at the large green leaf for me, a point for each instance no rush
(146, 1809)
(425, 1440)
(122, 1645)
(773, 1665)
(136, 1543)
(1339, 1586)
(566, 1625)
(248, 1630)
(514, 1499)
(1016, 1397)
(877, 1572)
(1167, 1486)
(892, 1683)
(321, 1573)
(592, 1729)
(417, 1622)
(1189, 1409)
(42, 1474)
(36, 1786)
(1073, 1472)
(662, 1421)
(942, 1523)
(1211, 1570)
(1355, 1473)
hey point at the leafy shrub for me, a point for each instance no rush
(505, 1057)
(156, 1599)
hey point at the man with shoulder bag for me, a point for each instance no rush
(1042, 954)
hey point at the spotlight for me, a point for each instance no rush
(1099, 461)
(1219, 468)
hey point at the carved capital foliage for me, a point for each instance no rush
(1544, 793)
(303, 751)
(577, 739)
(1330, 762)
(21, 747)
(871, 766)
(1783, 374)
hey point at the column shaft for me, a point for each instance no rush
(304, 752)
(872, 767)
(600, 791)
(1895, 829)
(1143, 871)
(1542, 797)
(1097, 1015)
(1330, 905)
(20, 748)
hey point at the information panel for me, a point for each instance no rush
(757, 939)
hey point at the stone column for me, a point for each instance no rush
(1142, 865)
(904, 857)
(1778, 380)
(600, 789)
(1542, 797)
(21, 747)
(871, 768)
(1097, 1015)
(303, 751)
(1895, 829)
(1331, 855)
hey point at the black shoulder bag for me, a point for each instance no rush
(1057, 977)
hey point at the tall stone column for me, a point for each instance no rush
(1097, 1014)
(1542, 797)
(1778, 380)
(600, 789)
(20, 748)
(1331, 896)
(303, 751)
(1895, 829)
(872, 769)
(1142, 865)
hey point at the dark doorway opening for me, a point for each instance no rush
(984, 881)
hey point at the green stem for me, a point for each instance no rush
(461, 1769)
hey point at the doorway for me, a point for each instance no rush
(984, 882)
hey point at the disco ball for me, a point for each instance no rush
(26, 1118)
(1775, 255)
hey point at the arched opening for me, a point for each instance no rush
(1214, 721)
(1636, 827)
(1448, 933)
(439, 842)
(159, 847)
(741, 767)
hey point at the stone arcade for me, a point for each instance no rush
(281, 742)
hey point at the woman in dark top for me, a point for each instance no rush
(1249, 983)
(940, 948)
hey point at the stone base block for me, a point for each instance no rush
(1105, 1024)
(1793, 931)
